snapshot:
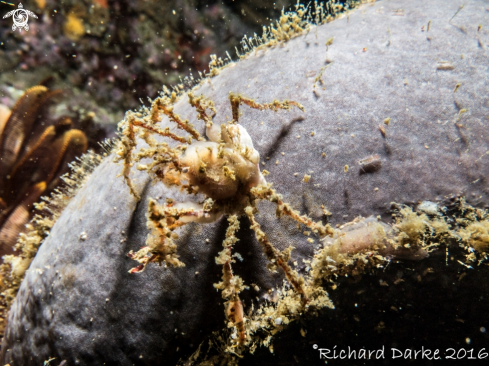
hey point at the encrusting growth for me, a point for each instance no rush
(225, 169)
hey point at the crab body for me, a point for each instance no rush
(219, 171)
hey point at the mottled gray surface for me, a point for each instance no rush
(92, 311)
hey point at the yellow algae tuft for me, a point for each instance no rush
(73, 27)
(411, 226)
(476, 235)
(41, 4)
(440, 226)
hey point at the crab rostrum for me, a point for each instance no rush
(225, 169)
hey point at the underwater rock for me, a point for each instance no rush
(388, 62)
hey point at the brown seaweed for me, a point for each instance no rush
(34, 151)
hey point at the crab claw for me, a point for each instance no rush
(137, 269)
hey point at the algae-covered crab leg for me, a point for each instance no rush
(231, 285)
(165, 105)
(128, 143)
(237, 99)
(267, 192)
(201, 104)
(276, 257)
(160, 247)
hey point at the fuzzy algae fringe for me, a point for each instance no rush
(13, 268)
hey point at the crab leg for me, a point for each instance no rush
(266, 192)
(128, 143)
(163, 105)
(237, 99)
(276, 257)
(231, 285)
(165, 132)
(201, 104)
(159, 244)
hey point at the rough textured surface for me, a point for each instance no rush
(84, 307)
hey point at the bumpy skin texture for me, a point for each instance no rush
(92, 311)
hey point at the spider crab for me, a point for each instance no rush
(224, 167)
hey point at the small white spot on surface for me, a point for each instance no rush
(428, 207)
